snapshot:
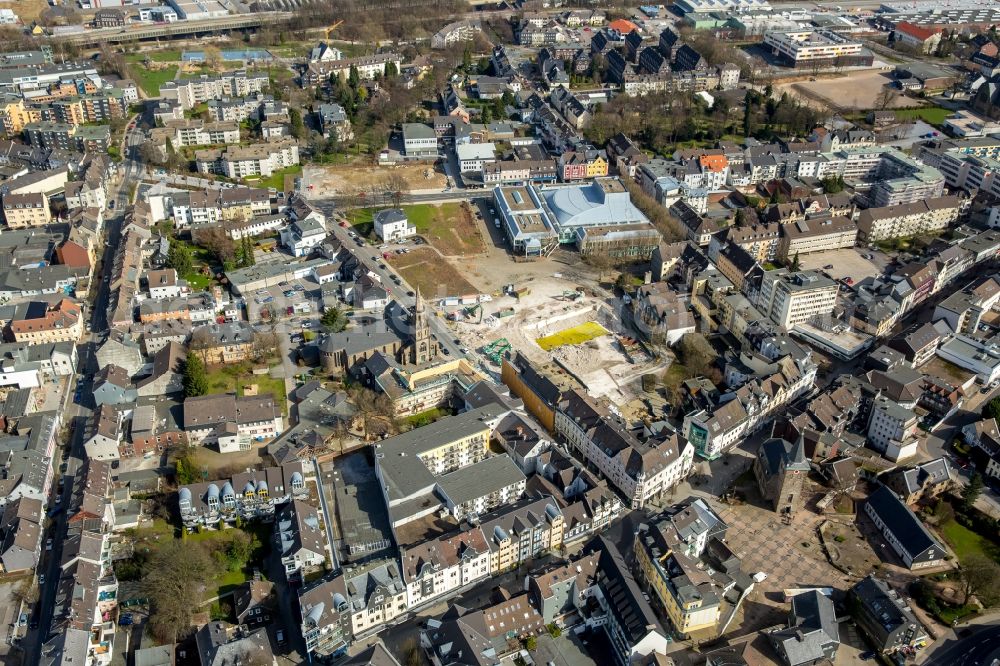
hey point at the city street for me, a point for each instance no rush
(76, 416)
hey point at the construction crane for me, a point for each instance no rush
(330, 29)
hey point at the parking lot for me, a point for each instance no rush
(851, 262)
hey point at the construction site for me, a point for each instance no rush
(553, 320)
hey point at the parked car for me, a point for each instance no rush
(279, 636)
(307, 324)
(48, 544)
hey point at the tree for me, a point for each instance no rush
(298, 128)
(195, 377)
(148, 153)
(218, 241)
(980, 575)
(531, 643)
(174, 583)
(972, 491)
(213, 57)
(334, 320)
(833, 184)
(697, 354)
(26, 592)
(179, 258)
(886, 97)
(353, 77)
(391, 71)
(794, 265)
(991, 410)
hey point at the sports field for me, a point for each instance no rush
(572, 336)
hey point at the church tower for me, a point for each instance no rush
(421, 346)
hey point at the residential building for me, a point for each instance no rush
(907, 219)
(812, 635)
(884, 617)
(261, 159)
(444, 565)
(38, 323)
(667, 556)
(193, 91)
(231, 423)
(26, 210)
(391, 225)
(522, 531)
(640, 469)
(301, 538)
(249, 495)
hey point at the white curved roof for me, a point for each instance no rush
(590, 206)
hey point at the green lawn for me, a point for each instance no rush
(232, 379)
(932, 115)
(965, 542)
(151, 80)
(361, 220)
(197, 281)
(167, 55)
(277, 179)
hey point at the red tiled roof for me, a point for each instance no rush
(915, 31)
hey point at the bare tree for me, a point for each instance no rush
(175, 580)
(886, 97)
(980, 575)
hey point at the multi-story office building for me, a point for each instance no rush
(793, 298)
(817, 48)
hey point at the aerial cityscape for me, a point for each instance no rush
(499, 332)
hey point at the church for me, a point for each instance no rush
(404, 365)
(349, 350)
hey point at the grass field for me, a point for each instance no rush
(227, 380)
(167, 55)
(449, 227)
(967, 543)
(572, 336)
(932, 115)
(150, 80)
(436, 278)
(278, 181)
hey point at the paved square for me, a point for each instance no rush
(765, 544)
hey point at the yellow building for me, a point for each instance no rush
(37, 325)
(597, 167)
(667, 555)
(15, 116)
(539, 387)
(26, 210)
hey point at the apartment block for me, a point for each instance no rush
(183, 133)
(261, 159)
(191, 92)
(26, 210)
(640, 469)
(911, 219)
